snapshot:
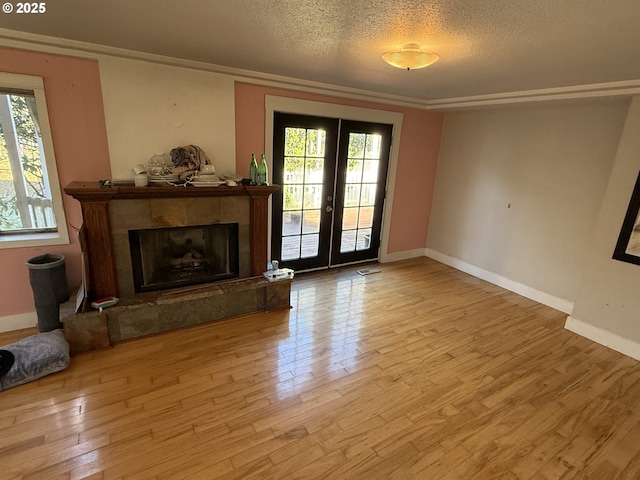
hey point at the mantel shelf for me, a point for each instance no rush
(88, 191)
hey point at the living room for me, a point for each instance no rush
(527, 191)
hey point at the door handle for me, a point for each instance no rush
(329, 209)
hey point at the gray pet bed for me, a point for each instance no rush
(35, 357)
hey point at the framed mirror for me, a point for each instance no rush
(628, 246)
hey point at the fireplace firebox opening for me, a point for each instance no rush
(172, 257)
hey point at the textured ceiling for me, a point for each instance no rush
(485, 46)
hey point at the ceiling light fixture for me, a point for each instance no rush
(410, 57)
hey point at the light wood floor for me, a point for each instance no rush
(416, 372)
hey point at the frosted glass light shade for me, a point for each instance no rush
(410, 57)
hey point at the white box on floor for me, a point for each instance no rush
(279, 274)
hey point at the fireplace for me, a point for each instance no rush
(109, 214)
(240, 213)
(172, 257)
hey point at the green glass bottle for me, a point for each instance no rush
(253, 170)
(263, 172)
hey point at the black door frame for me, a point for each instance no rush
(346, 127)
(283, 102)
(280, 122)
(329, 254)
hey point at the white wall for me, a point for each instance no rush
(518, 190)
(607, 306)
(153, 108)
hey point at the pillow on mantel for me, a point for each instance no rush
(34, 357)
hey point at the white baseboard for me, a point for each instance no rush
(404, 255)
(603, 337)
(565, 306)
(18, 322)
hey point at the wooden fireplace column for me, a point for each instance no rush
(94, 201)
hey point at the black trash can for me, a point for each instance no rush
(48, 278)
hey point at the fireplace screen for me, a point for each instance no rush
(172, 257)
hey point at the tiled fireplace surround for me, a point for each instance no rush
(109, 213)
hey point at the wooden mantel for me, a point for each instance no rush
(94, 201)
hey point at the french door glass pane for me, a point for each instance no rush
(348, 241)
(290, 247)
(313, 170)
(356, 145)
(291, 224)
(293, 170)
(311, 221)
(350, 218)
(368, 196)
(292, 197)
(316, 140)
(294, 141)
(310, 245)
(354, 170)
(313, 196)
(303, 178)
(352, 195)
(365, 218)
(372, 149)
(370, 174)
(360, 191)
(364, 239)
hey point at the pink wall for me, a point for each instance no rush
(74, 100)
(76, 114)
(415, 174)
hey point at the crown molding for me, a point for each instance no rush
(62, 46)
(595, 90)
(54, 45)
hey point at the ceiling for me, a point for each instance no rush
(485, 46)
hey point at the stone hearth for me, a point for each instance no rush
(156, 312)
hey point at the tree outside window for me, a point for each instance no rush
(26, 203)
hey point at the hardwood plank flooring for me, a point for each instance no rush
(416, 372)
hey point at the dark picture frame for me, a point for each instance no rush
(628, 245)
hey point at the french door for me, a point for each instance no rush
(333, 175)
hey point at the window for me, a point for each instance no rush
(31, 210)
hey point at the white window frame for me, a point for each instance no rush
(61, 237)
